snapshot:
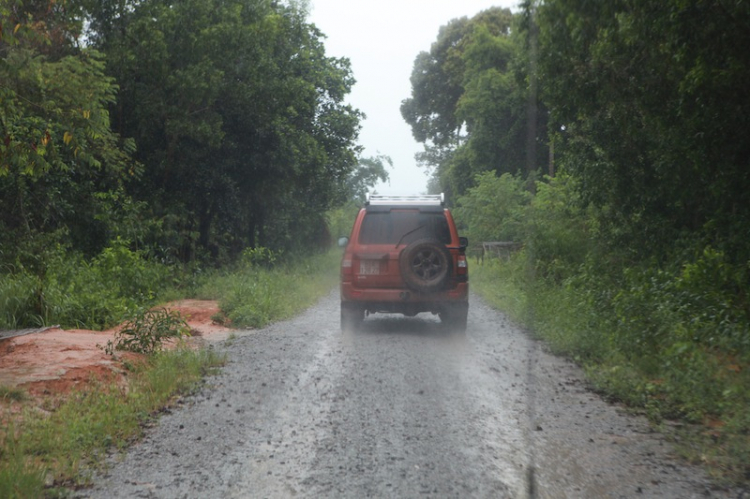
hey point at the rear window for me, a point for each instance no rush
(403, 226)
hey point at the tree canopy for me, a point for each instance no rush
(59, 158)
(470, 102)
(368, 173)
(644, 102)
(190, 128)
(239, 114)
(651, 107)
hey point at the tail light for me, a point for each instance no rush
(346, 266)
(462, 267)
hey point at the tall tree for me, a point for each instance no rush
(470, 99)
(238, 114)
(653, 99)
(367, 174)
(436, 82)
(59, 160)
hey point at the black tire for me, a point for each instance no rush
(425, 265)
(351, 317)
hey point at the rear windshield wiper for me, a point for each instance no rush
(410, 232)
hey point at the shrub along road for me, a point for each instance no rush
(399, 409)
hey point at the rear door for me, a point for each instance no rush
(384, 233)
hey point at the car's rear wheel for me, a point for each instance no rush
(425, 265)
(351, 317)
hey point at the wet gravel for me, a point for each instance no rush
(398, 409)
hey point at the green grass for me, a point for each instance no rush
(74, 292)
(44, 450)
(49, 446)
(10, 394)
(669, 374)
(499, 283)
(254, 296)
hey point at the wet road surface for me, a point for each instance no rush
(398, 409)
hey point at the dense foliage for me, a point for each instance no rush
(472, 104)
(139, 135)
(187, 128)
(636, 255)
(60, 162)
(238, 115)
(654, 102)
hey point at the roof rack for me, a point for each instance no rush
(421, 200)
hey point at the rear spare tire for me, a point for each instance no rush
(425, 265)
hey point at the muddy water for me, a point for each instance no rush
(398, 409)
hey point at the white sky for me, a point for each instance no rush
(381, 39)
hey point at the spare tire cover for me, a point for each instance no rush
(425, 265)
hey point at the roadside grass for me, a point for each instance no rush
(62, 287)
(498, 282)
(257, 294)
(262, 287)
(9, 394)
(695, 393)
(49, 444)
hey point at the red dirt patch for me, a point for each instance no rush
(56, 361)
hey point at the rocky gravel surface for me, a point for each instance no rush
(398, 409)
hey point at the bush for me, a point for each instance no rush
(62, 288)
(19, 301)
(667, 335)
(146, 330)
(558, 230)
(494, 210)
(341, 220)
(255, 296)
(260, 257)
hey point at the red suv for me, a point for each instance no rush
(405, 256)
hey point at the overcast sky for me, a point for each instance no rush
(381, 39)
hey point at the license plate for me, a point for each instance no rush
(369, 267)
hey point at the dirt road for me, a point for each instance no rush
(399, 409)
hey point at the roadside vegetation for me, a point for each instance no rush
(136, 163)
(137, 166)
(53, 445)
(608, 140)
(47, 448)
(266, 287)
(669, 340)
(261, 286)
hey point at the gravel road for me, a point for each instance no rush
(398, 409)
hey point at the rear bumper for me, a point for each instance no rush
(403, 300)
